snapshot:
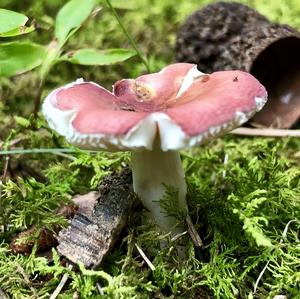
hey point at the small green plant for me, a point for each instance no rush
(19, 57)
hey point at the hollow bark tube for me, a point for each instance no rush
(152, 171)
(250, 42)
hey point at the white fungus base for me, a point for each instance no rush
(152, 172)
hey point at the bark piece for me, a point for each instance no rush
(224, 36)
(94, 229)
(46, 240)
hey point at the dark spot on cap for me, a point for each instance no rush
(204, 78)
(235, 79)
(127, 108)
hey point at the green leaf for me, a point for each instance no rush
(18, 31)
(71, 16)
(10, 20)
(96, 57)
(20, 57)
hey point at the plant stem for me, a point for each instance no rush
(37, 151)
(128, 35)
(37, 101)
(53, 53)
(152, 171)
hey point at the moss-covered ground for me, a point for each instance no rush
(244, 193)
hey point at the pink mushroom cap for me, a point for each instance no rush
(179, 104)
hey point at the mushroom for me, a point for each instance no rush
(155, 116)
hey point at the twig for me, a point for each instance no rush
(66, 156)
(176, 237)
(193, 232)
(61, 284)
(5, 169)
(128, 35)
(260, 276)
(266, 132)
(151, 266)
(2, 180)
(225, 162)
(99, 288)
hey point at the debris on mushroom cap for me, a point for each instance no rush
(182, 105)
(154, 91)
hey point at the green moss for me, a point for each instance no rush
(242, 192)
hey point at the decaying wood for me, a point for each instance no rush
(249, 42)
(23, 242)
(96, 227)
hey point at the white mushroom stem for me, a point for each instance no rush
(152, 172)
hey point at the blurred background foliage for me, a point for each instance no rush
(153, 24)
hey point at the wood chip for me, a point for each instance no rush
(97, 225)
